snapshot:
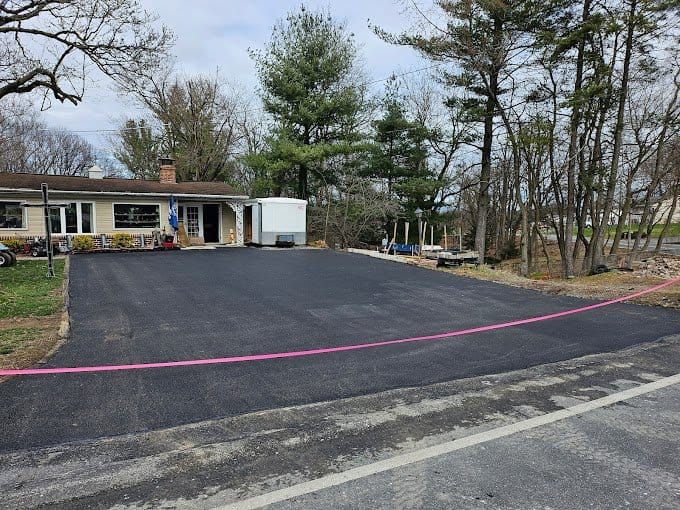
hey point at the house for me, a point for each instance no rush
(660, 210)
(209, 212)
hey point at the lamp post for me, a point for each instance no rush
(419, 215)
(46, 205)
(328, 206)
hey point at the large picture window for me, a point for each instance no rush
(136, 216)
(12, 215)
(76, 218)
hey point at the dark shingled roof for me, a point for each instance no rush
(67, 183)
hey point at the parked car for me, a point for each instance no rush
(7, 258)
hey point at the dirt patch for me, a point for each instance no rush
(614, 284)
(663, 267)
(38, 337)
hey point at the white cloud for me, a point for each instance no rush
(212, 35)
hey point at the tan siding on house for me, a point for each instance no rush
(36, 220)
(664, 211)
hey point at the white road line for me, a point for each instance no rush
(444, 448)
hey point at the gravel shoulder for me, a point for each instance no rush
(605, 286)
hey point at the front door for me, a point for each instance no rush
(193, 221)
(211, 223)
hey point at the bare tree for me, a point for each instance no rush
(14, 122)
(59, 152)
(50, 45)
(137, 147)
(200, 121)
(253, 127)
(29, 146)
(446, 133)
(355, 214)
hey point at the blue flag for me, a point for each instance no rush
(172, 214)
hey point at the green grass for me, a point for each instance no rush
(673, 231)
(25, 291)
(12, 338)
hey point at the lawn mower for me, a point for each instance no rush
(38, 247)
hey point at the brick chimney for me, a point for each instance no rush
(168, 172)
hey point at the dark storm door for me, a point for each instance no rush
(211, 223)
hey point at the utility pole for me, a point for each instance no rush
(419, 215)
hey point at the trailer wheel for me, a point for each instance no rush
(34, 253)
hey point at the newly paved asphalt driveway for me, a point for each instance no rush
(136, 308)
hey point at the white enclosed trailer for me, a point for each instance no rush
(275, 221)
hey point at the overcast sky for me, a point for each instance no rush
(214, 34)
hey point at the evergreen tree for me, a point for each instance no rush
(399, 158)
(308, 72)
(480, 37)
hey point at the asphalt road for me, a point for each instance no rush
(615, 457)
(135, 308)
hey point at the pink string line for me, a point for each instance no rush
(311, 352)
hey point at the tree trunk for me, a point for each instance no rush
(484, 181)
(302, 182)
(598, 235)
(669, 219)
(574, 152)
(487, 145)
(625, 206)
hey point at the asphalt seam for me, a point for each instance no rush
(423, 454)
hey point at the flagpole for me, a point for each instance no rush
(173, 219)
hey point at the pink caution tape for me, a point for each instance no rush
(326, 350)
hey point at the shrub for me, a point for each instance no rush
(122, 240)
(83, 243)
(15, 245)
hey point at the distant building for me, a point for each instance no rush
(661, 210)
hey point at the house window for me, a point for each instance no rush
(55, 220)
(86, 218)
(193, 229)
(75, 218)
(180, 215)
(136, 216)
(12, 215)
(71, 219)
